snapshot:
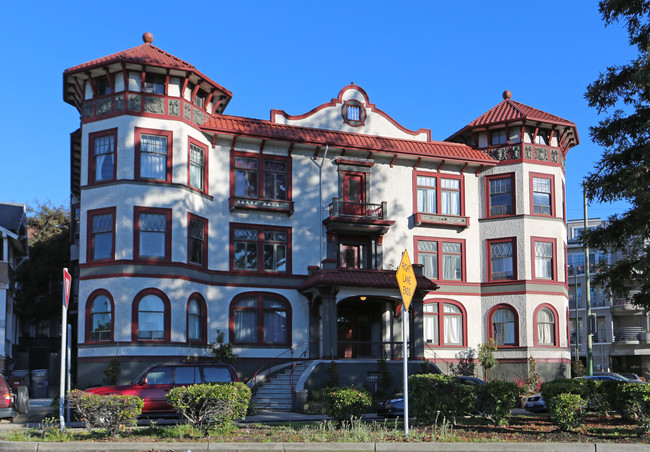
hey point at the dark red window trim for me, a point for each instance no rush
(260, 157)
(488, 253)
(556, 326)
(438, 176)
(90, 243)
(205, 148)
(516, 320)
(204, 221)
(553, 202)
(553, 241)
(261, 296)
(136, 233)
(91, 155)
(88, 316)
(513, 194)
(260, 248)
(134, 314)
(204, 319)
(170, 145)
(440, 240)
(441, 302)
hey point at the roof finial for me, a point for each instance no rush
(147, 38)
(507, 94)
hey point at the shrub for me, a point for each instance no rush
(209, 406)
(567, 411)
(343, 403)
(496, 399)
(635, 402)
(584, 388)
(110, 412)
(435, 396)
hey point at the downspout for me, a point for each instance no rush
(320, 201)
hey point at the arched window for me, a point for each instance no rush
(196, 319)
(151, 311)
(446, 329)
(99, 317)
(260, 319)
(503, 325)
(546, 328)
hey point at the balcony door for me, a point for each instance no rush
(354, 193)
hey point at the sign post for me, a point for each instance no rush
(67, 283)
(407, 284)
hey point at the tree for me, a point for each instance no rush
(623, 172)
(40, 278)
(486, 356)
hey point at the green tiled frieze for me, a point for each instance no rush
(154, 105)
(199, 117)
(174, 107)
(89, 109)
(187, 111)
(555, 155)
(515, 152)
(104, 106)
(528, 152)
(135, 102)
(541, 154)
(119, 102)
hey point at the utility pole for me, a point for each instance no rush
(590, 358)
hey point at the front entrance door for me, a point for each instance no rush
(354, 332)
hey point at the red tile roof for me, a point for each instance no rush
(144, 54)
(362, 278)
(509, 110)
(267, 129)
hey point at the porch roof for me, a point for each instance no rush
(384, 279)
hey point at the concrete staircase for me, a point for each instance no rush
(275, 394)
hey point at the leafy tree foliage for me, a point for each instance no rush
(623, 172)
(40, 289)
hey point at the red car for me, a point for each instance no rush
(154, 383)
(10, 403)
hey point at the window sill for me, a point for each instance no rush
(429, 219)
(261, 204)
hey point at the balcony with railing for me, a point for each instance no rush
(357, 217)
(597, 301)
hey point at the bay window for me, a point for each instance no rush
(542, 194)
(543, 258)
(545, 326)
(99, 317)
(102, 159)
(501, 259)
(152, 315)
(503, 325)
(500, 195)
(197, 243)
(101, 234)
(153, 154)
(152, 233)
(198, 175)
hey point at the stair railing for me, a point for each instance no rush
(253, 380)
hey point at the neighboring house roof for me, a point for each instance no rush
(383, 279)
(266, 129)
(12, 217)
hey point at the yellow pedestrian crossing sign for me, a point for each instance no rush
(406, 280)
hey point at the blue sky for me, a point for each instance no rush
(433, 64)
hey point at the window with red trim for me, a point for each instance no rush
(443, 259)
(153, 155)
(444, 323)
(260, 319)
(103, 155)
(197, 240)
(500, 196)
(544, 258)
(258, 248)
(99, 317)
(542, 194)
(504, 325)
(196, 319)
(152, 233)
(502, 259)
(197, 166)
(101, 235)
(546, 327)
(152, 316)
(259, 176)
(438, 194)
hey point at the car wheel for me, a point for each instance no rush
(22, 400)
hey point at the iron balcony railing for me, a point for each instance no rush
(362, 210)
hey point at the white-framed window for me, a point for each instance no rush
(545, 327)
(197, 167)
(542, 196)
(543, 260)
(151, 318)
(104, 157)
(153, 157)
(438, 194)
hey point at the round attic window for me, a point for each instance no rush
(353, 113)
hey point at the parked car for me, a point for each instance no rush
(394, 407)
(536, 404)
(634, 378)
(605, 376)
(154, 383)
(12, 404)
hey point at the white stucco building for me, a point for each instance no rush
(286, 233)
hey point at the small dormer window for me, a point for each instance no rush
(154, 83)
(499, 137)
(103, 87)
(353, 113)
